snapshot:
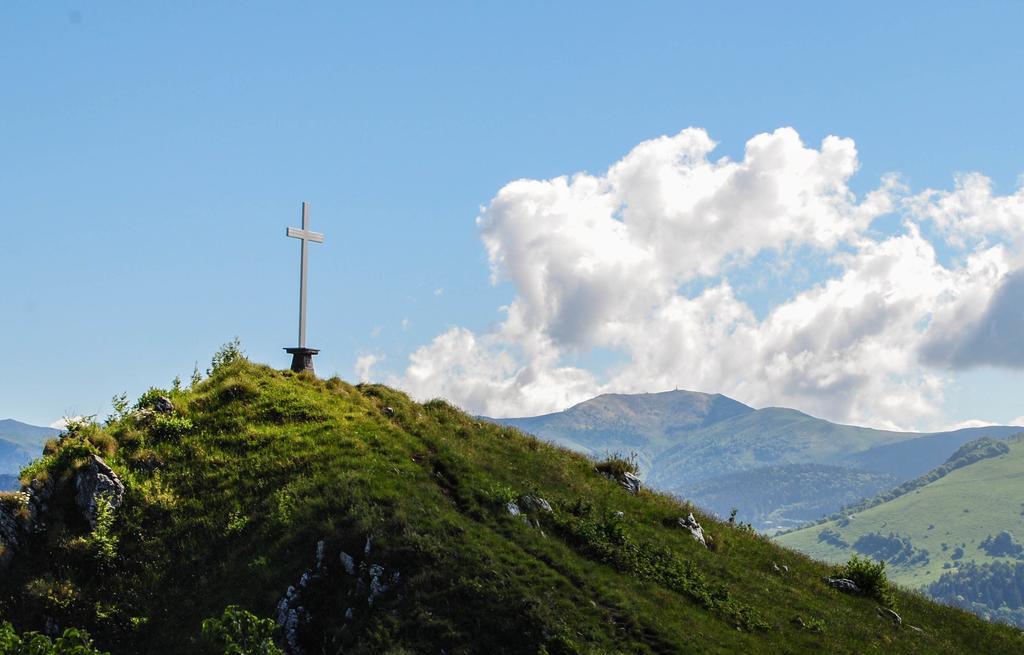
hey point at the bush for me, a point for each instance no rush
(870, 576)
(148, 399)
(72, 642)
(169, 428)
(229, 353)
(499, 494)
(617, 465)
(240, 632)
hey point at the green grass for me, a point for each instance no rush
(258, 465)
(960, 509)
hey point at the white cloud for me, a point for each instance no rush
(971, 211)
(600, 261)
(364, 366)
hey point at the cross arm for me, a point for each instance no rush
(305, 235)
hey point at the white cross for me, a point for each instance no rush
(305, 235)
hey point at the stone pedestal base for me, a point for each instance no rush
(302, 359)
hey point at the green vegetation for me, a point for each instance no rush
(238, 632)
(940, 521)
(390, 517)
(969, 453)
(957, 519)
(994, 590)
(870, 576)
(72, 642)
(617, 466)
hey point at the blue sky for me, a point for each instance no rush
(151, 157)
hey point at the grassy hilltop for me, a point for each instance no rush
(390, 517)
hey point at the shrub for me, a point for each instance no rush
(229, 353)
(240, 632)
(72, 642)
(51, 594)
(148, 399)
(167, 428)
(102, 540)
(870, 576)
(121, 408)
(617, 465)
(499, 494)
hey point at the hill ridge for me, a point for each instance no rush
(370, 523)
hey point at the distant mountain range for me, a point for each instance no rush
(721, 453)
(20, 443)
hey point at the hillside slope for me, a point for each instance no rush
(719, 452)
(372, 524)
(936, 527)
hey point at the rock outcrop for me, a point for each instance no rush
(534, 505)
(697, 532)
(844, 585)
(95, 481)
(361, 581)
(630, 483)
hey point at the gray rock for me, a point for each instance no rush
(843, 584)
(535, 505)
(630, 483)
(95, 481)
(163, 405)
(887, 613)
(389, 411)
(348, 563)
(512, 509)
(697, 532)
(10, 535)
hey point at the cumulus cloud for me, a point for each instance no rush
(364, 366)
(603, 261)
(993, 337)
(972, 211)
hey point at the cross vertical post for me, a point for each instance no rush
(302, 357)
(302, 277)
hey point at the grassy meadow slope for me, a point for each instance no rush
(261, 476)
(949, 518)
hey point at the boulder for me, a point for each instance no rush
(348, 563)
(534, 505)
(697, 532)
(843, 584)
(630, 483)
(163, 405)
(887, 613)
(95, 481)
